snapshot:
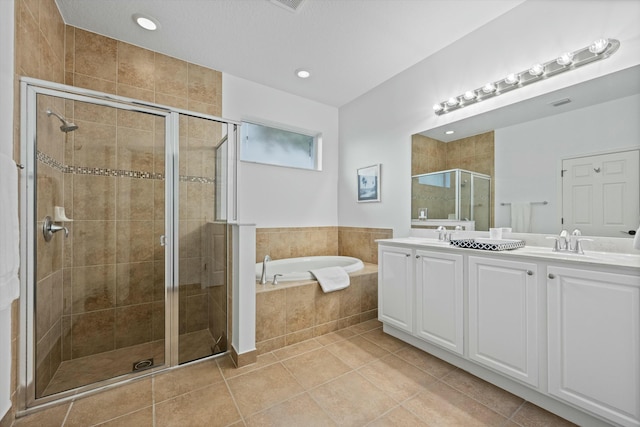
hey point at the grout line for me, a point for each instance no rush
(153, 400)
(233, 398)
(66, 416)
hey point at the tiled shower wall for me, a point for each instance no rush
(474, 153)
(39, 53)
(48, 49)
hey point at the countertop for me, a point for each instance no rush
(589, 258)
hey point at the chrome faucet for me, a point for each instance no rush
(263, 277)
(569, 243)
(442, 232)
(275, 279)
(575, 242)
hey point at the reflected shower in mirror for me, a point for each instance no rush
(535, 140)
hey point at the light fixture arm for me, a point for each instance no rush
(600, 49)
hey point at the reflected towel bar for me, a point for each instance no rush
(533, 203)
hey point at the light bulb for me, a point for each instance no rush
(437, 107)
(303, 74)
(469, 95)
(512, 79)
(598, 46)
(452, 102)
(536, 70)
(565, 59)
(489, 88)
(146, 22)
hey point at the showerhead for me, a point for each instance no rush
(66, 126)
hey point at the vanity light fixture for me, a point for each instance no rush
(146, 22)
(599, 49)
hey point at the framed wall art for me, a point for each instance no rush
(369, 184)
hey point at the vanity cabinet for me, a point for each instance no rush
(594, 341)
(439, 299)
(395, 287)
(503, 316)
(563, 333)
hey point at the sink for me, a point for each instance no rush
(426, 241)
(588, 256)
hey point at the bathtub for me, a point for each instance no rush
(297, 269)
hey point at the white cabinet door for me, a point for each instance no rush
(594, 341)
(503, 304)
(439, 299)
(395, 287)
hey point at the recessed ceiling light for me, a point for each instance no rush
(146, 22)
(449, 132)
(303, 74)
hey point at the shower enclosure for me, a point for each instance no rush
(125, 242)
(454, 194)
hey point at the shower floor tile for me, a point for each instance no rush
(111, 364)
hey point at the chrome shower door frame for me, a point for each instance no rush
(30, 88)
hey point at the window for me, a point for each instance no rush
(264, 144)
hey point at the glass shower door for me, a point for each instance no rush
(99, 269)
(202, 248)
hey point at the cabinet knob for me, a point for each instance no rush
(529, 273)
(408, 255)
(551, 276)
(417, 256)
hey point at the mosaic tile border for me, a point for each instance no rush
(81, 170)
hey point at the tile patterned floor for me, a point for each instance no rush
(357, 376)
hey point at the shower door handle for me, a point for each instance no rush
(163, 240)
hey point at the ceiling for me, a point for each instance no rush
(350, 46)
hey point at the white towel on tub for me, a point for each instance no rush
(9, 232)
(331, 278)
(521, 217)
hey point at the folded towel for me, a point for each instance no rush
(331, 278)
(521, 217)
(636, 240)
(10, 232)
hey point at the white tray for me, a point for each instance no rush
(489, 244)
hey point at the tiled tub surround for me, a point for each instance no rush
(295, 242)
(296, 311)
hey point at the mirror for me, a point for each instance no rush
(534, 138)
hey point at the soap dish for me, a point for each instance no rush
(489, 244)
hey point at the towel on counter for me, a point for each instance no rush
(331, 278)
(636, 240)
(521, 217)
(9, 232)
